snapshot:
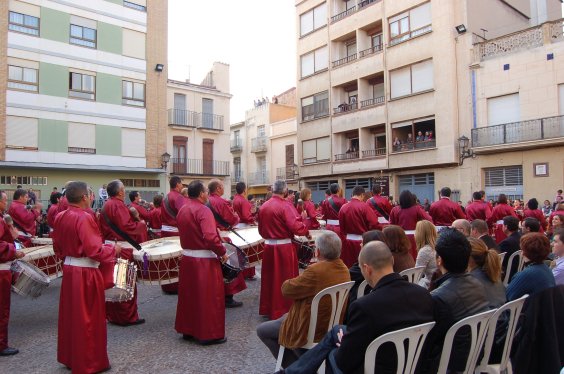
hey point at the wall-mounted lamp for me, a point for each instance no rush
(165, 158)
(460, 29)
(159, 67)
(464, 150)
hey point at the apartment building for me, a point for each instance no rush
(197, 136)
(79, 93)
(384, 89)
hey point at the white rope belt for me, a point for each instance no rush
(354, 237)
(382, 220)
(82, 262)
(6, 265)
(334, 222)
(199, 253)
(277, 241)
(169, 228)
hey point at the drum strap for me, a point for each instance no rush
(118, 231)
(380, 210)
(168, 208)
(222, 222)
(333, 205)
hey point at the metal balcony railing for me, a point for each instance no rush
(260, 177)
(211, 121)
(344, 60)
(342, 15)
(517, 132)
(188, 166)
(346, 156)
(287, 173)
(374, 152)
(259, 144)
(369, 51)
(371, 102)
(410, 146)
(345, 108)
(208, 121)
(236, 145)
(366, 3)
(411, 34)
(91, 151)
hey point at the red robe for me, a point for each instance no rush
(175, 202)
(51, 213)
(382, 202)
(82, 337)
(355, 218)
(24, 218)
(478, 209)
(155, 221)
(7, 254)
(498, 212)
(329, 213)
(311, 219)
(223, 208)
(407, 219)
(445, 212)
(278, 219)
(63, 204)
(537, 213)
(242, 207)
(118, 213)
(201, 303)
(143, 213)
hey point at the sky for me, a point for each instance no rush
(259, 48)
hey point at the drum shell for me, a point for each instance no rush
(45, 259)
(252, 243)
(29, 280)
(163, 260)
(124, 277)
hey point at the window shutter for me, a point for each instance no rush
(420, 16)
(25, 8)
(308, 149)
(133, 44)
(21, 131)
(503, 109)
(307, 64)
(323, 149)
(321, 59)
(400, 82)
(133, 142)
(422, 76)
(306, 22)
(561, 96)
(82, 135)
(84, 22)
(320, 16)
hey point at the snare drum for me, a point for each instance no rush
(252, 244)
(125, 275)
(30, 280)
(45, 259)
(158, 260)
(36, 242)
(307, 247)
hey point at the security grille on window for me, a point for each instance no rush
(315, 61)
(315, 106)
(21, 78)
(313, 19)
(82, 86)
(133, 93)
(83, 36)
(23, 23)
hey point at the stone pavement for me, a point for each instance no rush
(153, 347)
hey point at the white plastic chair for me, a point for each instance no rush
(339, 297)
(502, 256)
(478, 325)
(514, 307)
(361, 289)
(510, 266)
(414, 275)
(407, 358)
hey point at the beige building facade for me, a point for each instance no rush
(385, 90)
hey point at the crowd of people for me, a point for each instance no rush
(364, 238)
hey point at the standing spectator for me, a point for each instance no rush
(102, 195)
(31, 197)
(510, 244)
(501, 210)
(558, 199)
(534, 212)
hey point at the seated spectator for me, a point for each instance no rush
(425, 239)
(510, 244)
(536, 276)
(556, 223)
(479, 230)
(484, 264)
(400, 245)
(291, 329)
(393, 304)
(463, 226)
(530, 224)
(558, 250)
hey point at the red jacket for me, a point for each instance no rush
(357, 218)
(500, 211)
(118, 213)
(25, 218)
(445, 212)
(196, 227)
(478, 209)
(278, 219)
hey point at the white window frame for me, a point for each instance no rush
(320, 61)
(314, 101)
(317, 159)
(314, 20)
(82, 40)
(133, 100)
(23, 85)
(403, 25)
(24, 27)
(81, 93)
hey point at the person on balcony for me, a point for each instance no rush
(409, 139)
(396, 144)
(419, 137)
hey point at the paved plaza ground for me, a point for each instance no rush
(153, 347)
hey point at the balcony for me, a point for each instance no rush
(258, 178)
(347, 156)
(237, 176)
(345, 108)
(411, 35)
(361, 5)
(236, 145)
(519, 132)
(287, 173)
(211, 122)
(187, 166)
(378, 152)
(411, 146)
(372, 102)
(187, 118)
(344, 60)
(369, 51)
(259, 144)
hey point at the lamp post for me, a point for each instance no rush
(165, 158)
(464, 150)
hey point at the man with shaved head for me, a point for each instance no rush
(393, 304)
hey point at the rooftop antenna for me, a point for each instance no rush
(188, 73)
(484, 31)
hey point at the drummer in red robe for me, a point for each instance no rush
(226, 219)
(24, 216)
(355, 219)
(136, 201)
(495, 220)
(82, 334)
(445, 211)
(8, 253)
(244, 210)
(114, 210)
(53, 209)
(478, 208)
(307, 209)
(155, 222)
(200, 313)
(330, 208)
(380, 204)
(279, 221)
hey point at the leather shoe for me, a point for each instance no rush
(212, 341)
(138, 322)
(231, 303)
(9, 352)
(187, 337)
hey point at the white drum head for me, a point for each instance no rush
(250, 237)
(157, 249)
(34, 253)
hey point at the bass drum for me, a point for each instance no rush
(158, 261)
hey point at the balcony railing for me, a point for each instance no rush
(237, 176)
(211, 122)
(259, 144)
(315, 110)
(345, 108)
(208, 121)
(188, 166)
(260, 177)
(344, 60)
(371, 102)
(236, 145)
(287, 173)
(412, 34)
(342, 15)
(374, 152)
(347, 156)
(517, 132)
(91, 151)
(369, 51)
(366, 3)
(410, 146)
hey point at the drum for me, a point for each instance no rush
(158, 260)
(236, 261)
(125, 275)
(322, 223)
(45, 259)
(306, 247)
(252, 244)
(36, 242)
(30, 280)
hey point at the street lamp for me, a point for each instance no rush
(464, 151)
(165, 158)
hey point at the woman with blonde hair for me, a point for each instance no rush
(485, 265)
(425, 239)
(399, 245)
(307, 209)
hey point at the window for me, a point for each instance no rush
(83, 36)
(316, 150)
(261, 131)
(315, 106)
(141, 183)
(412, 23)
(351, 48)
(82, 86)
(507, 180)
(416, 134)
(237, 172)
(411, 79)
(504, 109)
(133, 93)
(140, 5)
(313, 19)
(179, 146)
(133, 44)
(376, 41)
(132, 142)
(82, 138)
(561, 98)
(15, 180)
(314, 62)
(21, 133)
(23, 23)
(22, 78)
